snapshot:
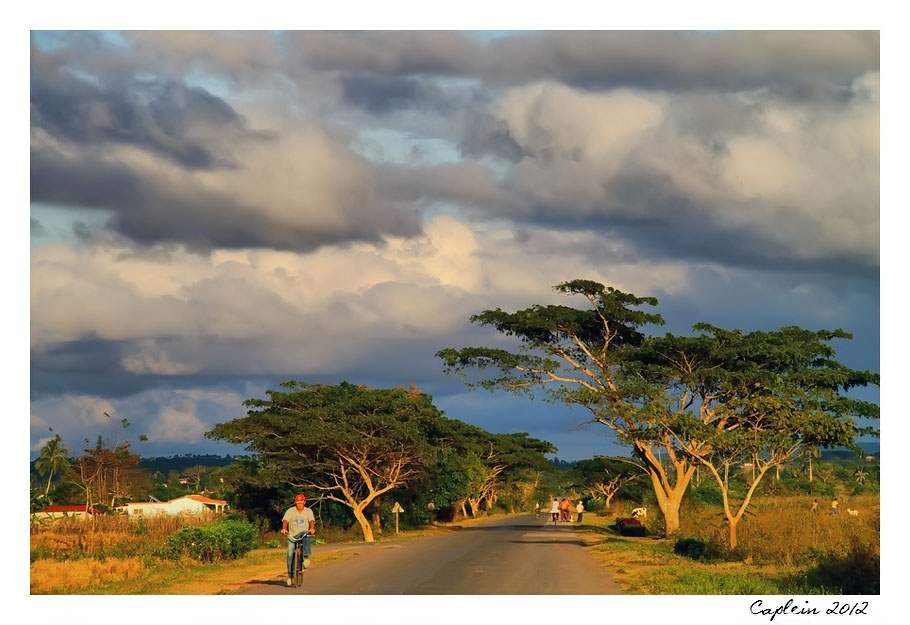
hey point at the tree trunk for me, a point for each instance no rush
(364, 524)
(377, 516)
(669, 496)
(669, 507)
(732, 523)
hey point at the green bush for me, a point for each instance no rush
(633, 530)
(223, 540)
(696, 549)
(855, 573)
(630, 527)
(708, 493)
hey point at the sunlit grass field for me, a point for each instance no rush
(783, 548)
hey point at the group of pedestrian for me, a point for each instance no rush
(562, 510)
(832, 510)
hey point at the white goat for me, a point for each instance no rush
(639, 512)
(852, 512)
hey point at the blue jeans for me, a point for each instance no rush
(292, 545)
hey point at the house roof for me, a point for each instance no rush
(199, 498)
(204, 499)
(76, 508)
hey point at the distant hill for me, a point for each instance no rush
(563, 465)
(871, 449)
(180, 463)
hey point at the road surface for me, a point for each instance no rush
(514, 555)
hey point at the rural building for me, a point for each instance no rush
(59, 512)
(188, 504)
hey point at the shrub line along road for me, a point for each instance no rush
(510, 556)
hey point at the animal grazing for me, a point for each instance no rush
(852, 512)
(639, 513)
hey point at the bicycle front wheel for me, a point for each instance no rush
(298, 566)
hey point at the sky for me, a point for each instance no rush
(213, 213)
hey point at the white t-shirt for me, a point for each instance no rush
(298, 521)
(554, 507)
(580, 508)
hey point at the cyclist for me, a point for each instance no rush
(298, 520)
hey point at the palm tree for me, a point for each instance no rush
(860, 476)
(811, 452)
(52, 459)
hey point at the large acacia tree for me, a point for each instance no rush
(679, 395)
(760, 398)
(346, 443)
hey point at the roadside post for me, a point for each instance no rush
(396, 509)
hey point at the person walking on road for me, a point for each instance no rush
(580, 510)
(554, 509)
(298, 520)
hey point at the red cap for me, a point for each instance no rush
(299, 497)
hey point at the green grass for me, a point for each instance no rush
(651, 567)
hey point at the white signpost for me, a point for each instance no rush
(396, 509)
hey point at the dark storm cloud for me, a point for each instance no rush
(379, 94)
(94, 366)
(153, 114)
(85, 105)
(483, 134)
(792, 61)
(645, 208)
(388, 53)
(795, 62)
(149, 213)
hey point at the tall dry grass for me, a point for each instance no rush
(51, 576)
(783, 530)
(106, 536)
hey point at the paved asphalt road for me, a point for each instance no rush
(511, 556)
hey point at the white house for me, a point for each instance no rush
(57, 512)
(188, 504)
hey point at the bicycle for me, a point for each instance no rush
(298, 557)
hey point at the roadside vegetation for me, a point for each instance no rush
(120, 556)
(785, 548)
(729, 437)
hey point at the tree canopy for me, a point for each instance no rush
(347, 443)
(352, 444)
(694, 396)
